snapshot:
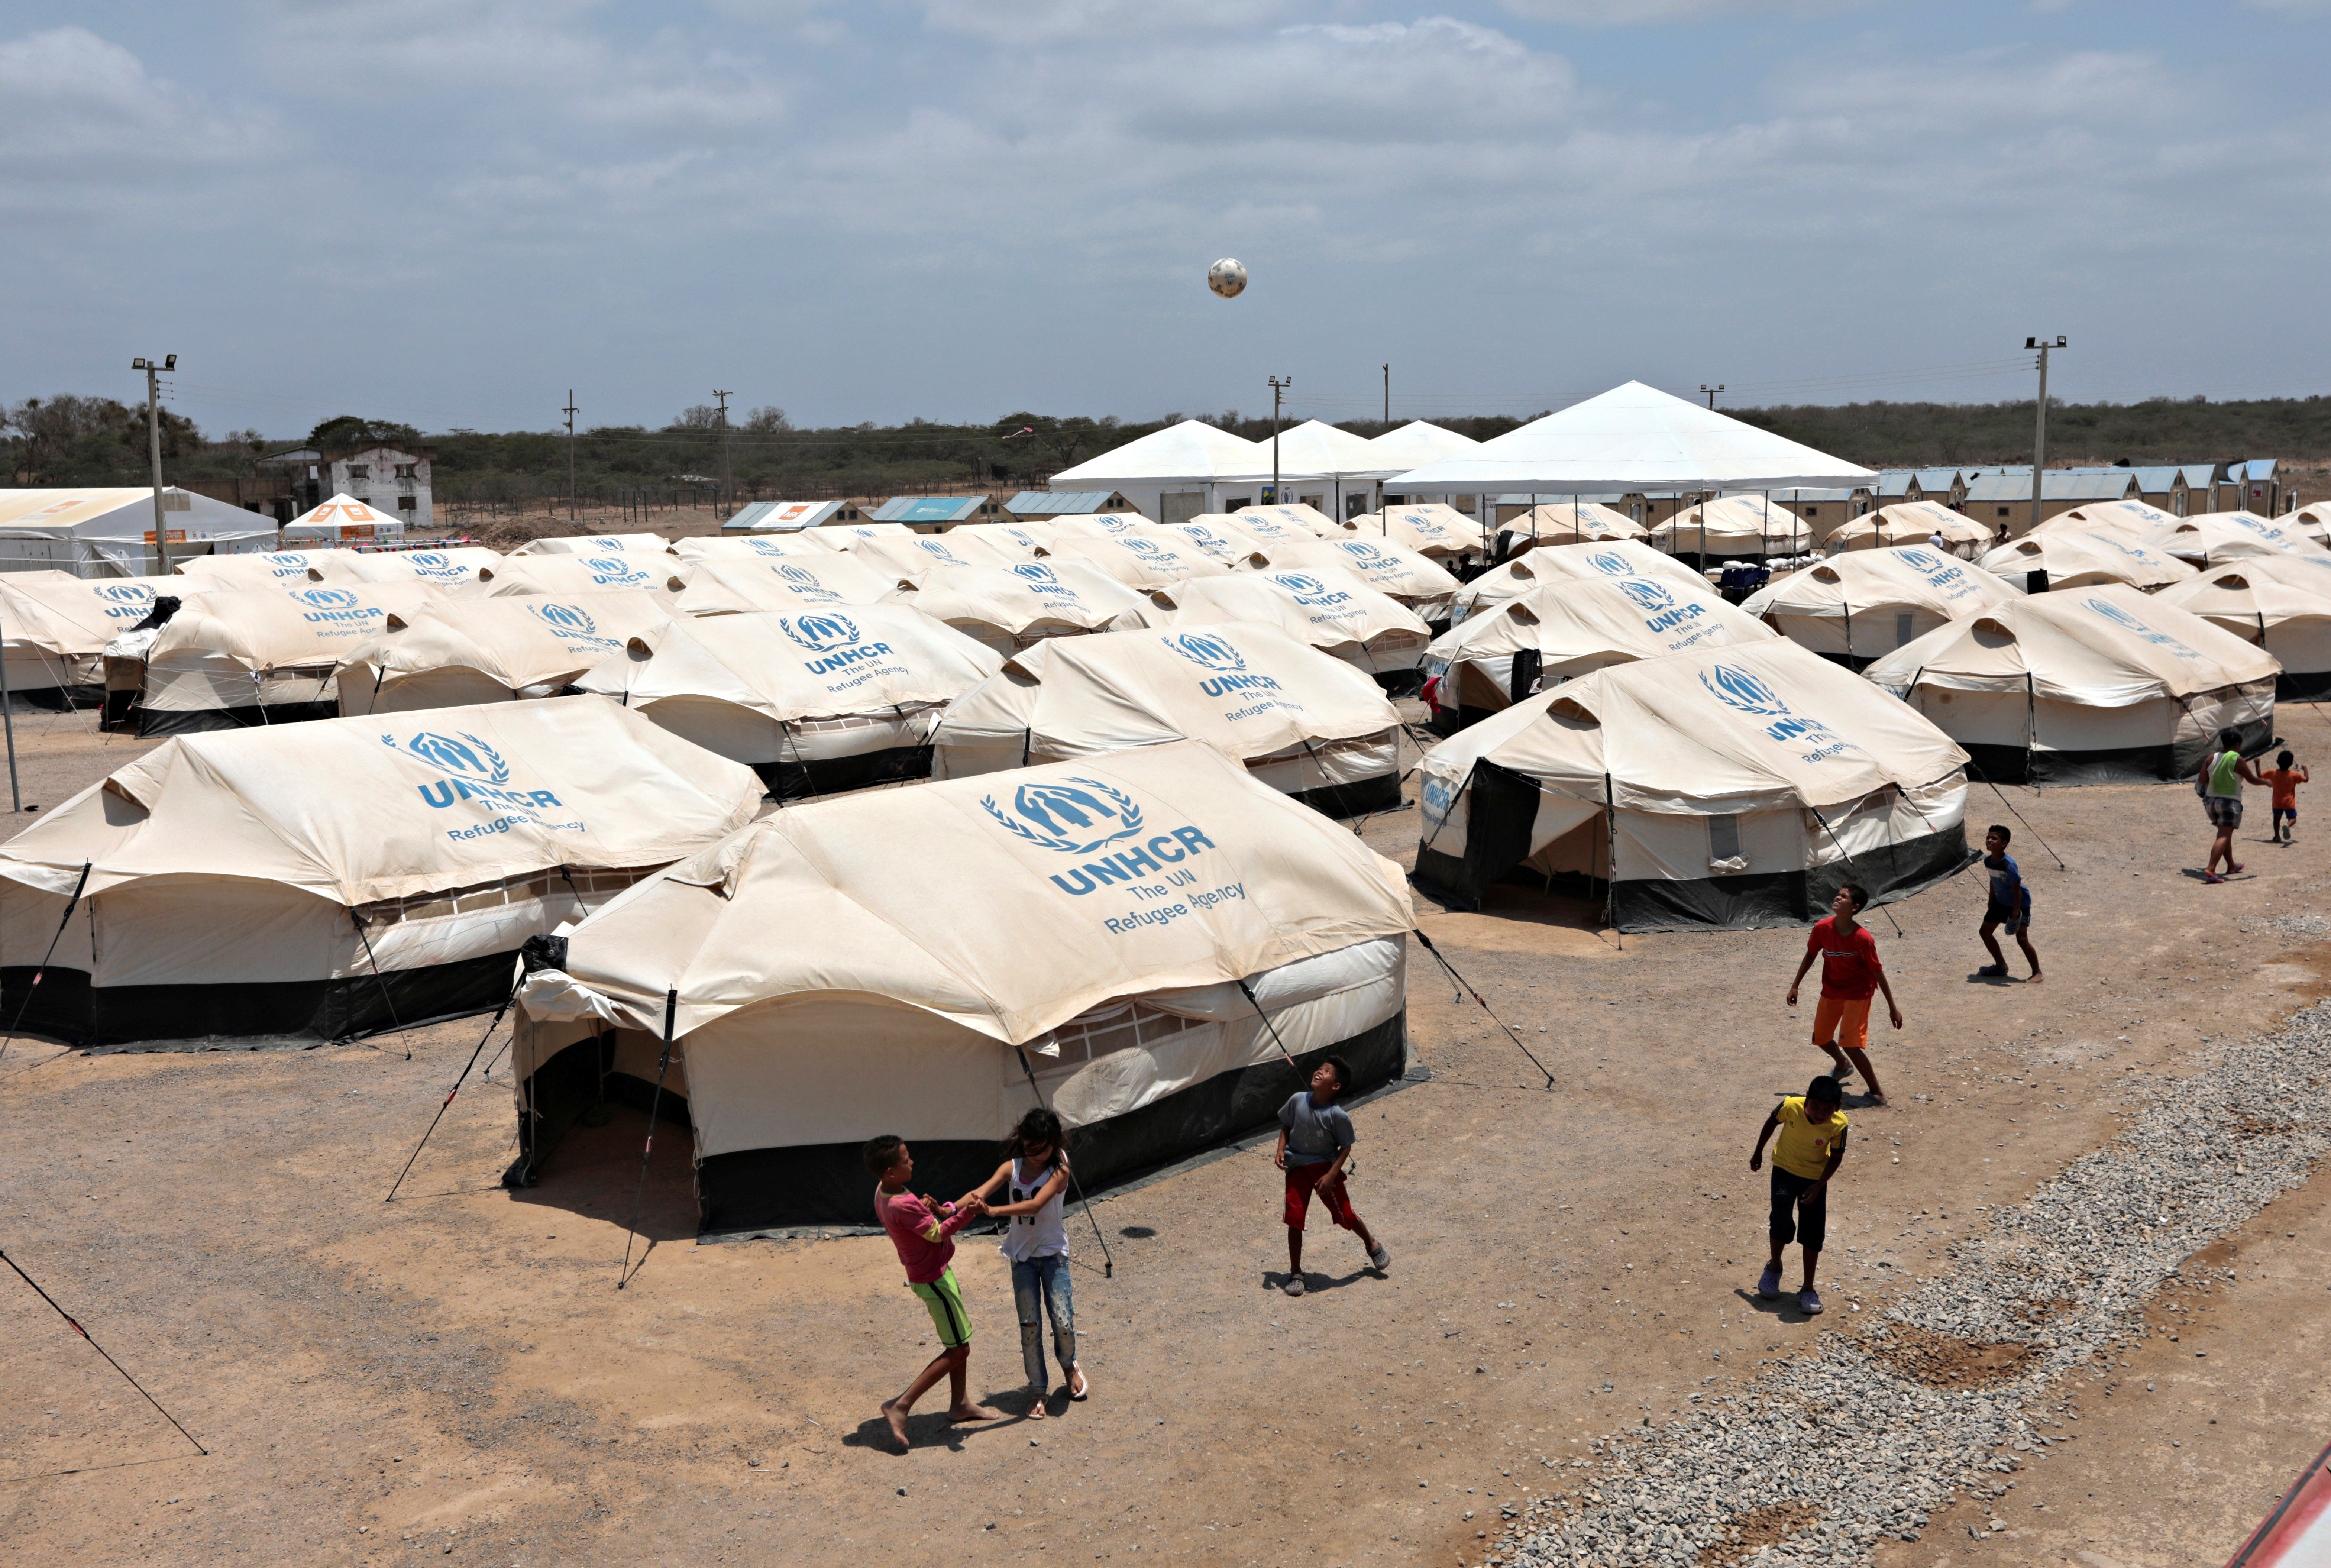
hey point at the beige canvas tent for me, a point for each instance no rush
(2095, 685)
(749, 547)
(447, 568)
(1546, 564)
(793, 585)
(457, 653)
(912, 559)
(2047, 558)
(1563, 629)
(1910, 523)
(1096, 526)
(1308, 725)
(2280, 602)
(849, 536)
(1139, 560)
(1573, 523)
(1327, 608)
(341, 878)
(56, 627)
(1725, 788)
(2314, 521)
(1734, 526)
(1409, 577)
(2214, 538)
(262, 656)
(1106, 935)
(834, 699)
(1257, 523)
(2123, 516)
(1019, 540)
(1224, 541)
(274, 569)
(1007, 608)
(1856, 606)
(1294, 515)
(1430, 529)
(645, 571)
(596, 545)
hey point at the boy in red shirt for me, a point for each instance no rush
(925, 1241)
(2284, 779)
(1850, 974)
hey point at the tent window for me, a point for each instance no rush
(1901, 627)
(1104, 1031)
(1724, 838)
(592, 885)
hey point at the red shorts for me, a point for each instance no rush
(1332, 1197)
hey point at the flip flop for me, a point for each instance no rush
(2234, 868)
(2212, 878)
(1076, 1393)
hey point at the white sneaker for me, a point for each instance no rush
(1294, 1286)
(1381, 1258)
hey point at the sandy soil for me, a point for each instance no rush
(456, 1375)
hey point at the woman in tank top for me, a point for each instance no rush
(1035, 1176)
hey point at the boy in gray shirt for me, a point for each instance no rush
(1315, 1139)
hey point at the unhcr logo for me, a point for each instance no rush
(1363, 552)
(1080, 816)
(934, 548)
(1208, 653)
(1650, 597)
(1660, 611)
(1611, 564)
(613, 569)
(2132, 624)
(764, 547)
(1117, 522)
(799, 576)
(1035, 572)
(429, 561)
(567, 620)
(467, 755)
(135, 601)
(1310, 591)
(287, 565)
(477, 772)
(1736, 688)
(1141, 546)
(325, 598)
(820, 633)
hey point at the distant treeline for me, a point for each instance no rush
(91, 440)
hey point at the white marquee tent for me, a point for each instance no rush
(1175, 474)
(110, 532)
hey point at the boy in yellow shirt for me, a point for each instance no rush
(1812, 1147)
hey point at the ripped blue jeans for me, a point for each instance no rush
(1041, 1285)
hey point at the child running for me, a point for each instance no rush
(926, 1246)
(1850, 972)
(2010, 905)
(1036, 1171)
(1812, 1147)
(2284, 779)
(2219, 784)
(1315, 1139)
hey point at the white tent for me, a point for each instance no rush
(1260, 524)
(1574, 523)
(1017, 540)
(1733, 787)
(259, 656)
(749, 547)
(1734, 526)
(1019, 952)
(2047, 558)
(264, 569)
(1441, 532)
(2126, 516)
(642, 571)
(1328, 608)
(2094, 685)
(1177, 473)
(2280, 603)
(108, 532)
(1632, 438)
(1139, 560)
(1856, 606)
(1563, 629)
(342, 519)
(1908, 523)
(1551, 563)
(1290, 518)
(1308, 725)
(1417, 443)
(793, 586)
(447, 568)
(596, 545)
(1095, 526)
(830, 701)
(1217, 536)
(1349, 464)
(1007, 608)
(2314, 521)
(340, 879)
(915, 556)
(2213, 537)
(457, 652)
(849, 536)
(1411, 578)
(57, 626)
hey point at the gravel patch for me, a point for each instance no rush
(1958, 1384)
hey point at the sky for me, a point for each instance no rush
(452, 212)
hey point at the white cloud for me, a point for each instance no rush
(1665, 12)
(83, 114)
(1052, 21)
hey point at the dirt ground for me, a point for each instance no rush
(456, 1375)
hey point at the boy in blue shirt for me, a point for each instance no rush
(2010, 905)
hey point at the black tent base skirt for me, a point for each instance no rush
(61, 698)
(1399, 682)
(65, 1007)
(196, 720)
(2120, 766)
(1856, 662)
(794, 781)
(1355, 799)
(827, 1185)
(2302, 686)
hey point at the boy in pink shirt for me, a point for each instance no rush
(925, 1241)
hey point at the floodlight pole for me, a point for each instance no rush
(1711, 392)
(154, 449)
(724, 397)
(570, 411)
(1278, 386)
(1387, 370)
(2039, 430)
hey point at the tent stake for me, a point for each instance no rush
(1107, 1263)
(8, 723)
(454, 1091)
(381, 980)
(100, 1350)
(655, 1105)
(1477, 996)
(33, 990)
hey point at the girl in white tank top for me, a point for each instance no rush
(1035, 1177)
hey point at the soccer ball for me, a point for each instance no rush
(1227, 278)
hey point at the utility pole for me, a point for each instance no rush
(1711, 392)
(1278, 386)
(2039, 432)
(570, 411)
(723, 396)
(1387, 370)
(154, 449)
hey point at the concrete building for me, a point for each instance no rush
(384, 477)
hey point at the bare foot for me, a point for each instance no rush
(974, 1412)
(2036, 978)
(895, 1414)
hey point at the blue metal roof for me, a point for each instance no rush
(2055, 485)
(2198, 475)
(1060, 503)
(927, 509)
(1523, 499)
(1895, 481)
(2257, 467)
(2156, 482)
(1936, 479)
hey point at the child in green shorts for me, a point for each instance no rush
(926, 1246)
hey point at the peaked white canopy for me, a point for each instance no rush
(1191, 452)
(1416, 444)
(1633, 438)
(1316, 447)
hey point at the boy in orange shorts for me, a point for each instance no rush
(1850, 972)
(2284, 779)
